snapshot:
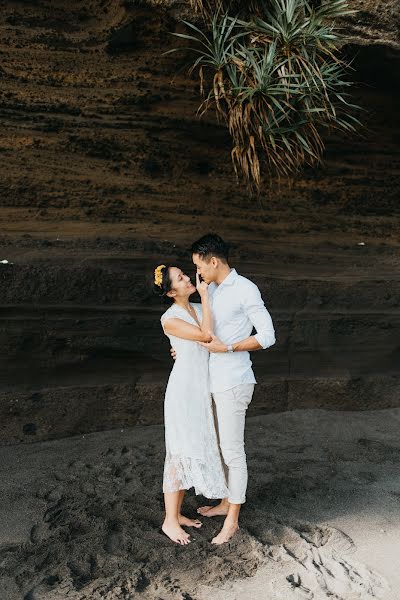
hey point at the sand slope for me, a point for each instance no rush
(80, 516)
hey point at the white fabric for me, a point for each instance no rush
(231, 407)
(237, 307)
(192, 454)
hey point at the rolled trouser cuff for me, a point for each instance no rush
(236, 500)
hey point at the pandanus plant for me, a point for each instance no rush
(273, 73)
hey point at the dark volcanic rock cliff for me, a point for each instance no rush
(106, 171)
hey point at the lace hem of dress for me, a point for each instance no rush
(183, 473)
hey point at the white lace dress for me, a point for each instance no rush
(192, 452)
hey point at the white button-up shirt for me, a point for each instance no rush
(237, 307)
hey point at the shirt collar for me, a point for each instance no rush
(229, 279)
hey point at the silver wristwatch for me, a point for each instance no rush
(230, 348)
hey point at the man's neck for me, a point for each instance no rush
(223, 274)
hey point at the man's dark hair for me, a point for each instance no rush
(211, 245)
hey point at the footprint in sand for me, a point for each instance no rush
(313, 559)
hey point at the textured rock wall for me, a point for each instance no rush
(107, 171)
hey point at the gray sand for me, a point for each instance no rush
(80, 517)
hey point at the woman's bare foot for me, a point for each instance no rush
(214, 511)
(189, 522)
(175, 533)
(228, 530)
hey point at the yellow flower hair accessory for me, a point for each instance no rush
(158, 275)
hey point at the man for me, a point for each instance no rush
(237, 307)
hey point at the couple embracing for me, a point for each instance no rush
(210, 386)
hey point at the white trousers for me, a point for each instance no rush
(230, 411)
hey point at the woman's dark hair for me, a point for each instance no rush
(211, 245)
(165, 286)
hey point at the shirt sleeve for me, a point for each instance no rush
(254, 308)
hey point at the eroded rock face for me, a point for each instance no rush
(107, 171)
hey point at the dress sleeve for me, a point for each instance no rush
(169, 314)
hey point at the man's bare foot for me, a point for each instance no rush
(189, 522)
(214, 511)
(228, 530)
(175, 533)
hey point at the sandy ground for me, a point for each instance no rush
(80, 517)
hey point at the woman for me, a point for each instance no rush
(192, 453)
